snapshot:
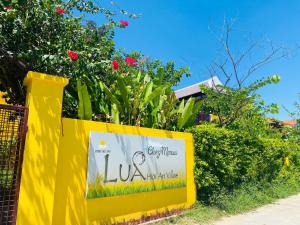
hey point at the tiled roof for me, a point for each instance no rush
(290, 123)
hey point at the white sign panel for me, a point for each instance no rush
(120, 164)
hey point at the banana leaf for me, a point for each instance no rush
(157, 92)
(84, 103)
(124, 93)
(181, 106)
(115, 114)
(110, 95)
(187, 113)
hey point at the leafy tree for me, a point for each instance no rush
(54, 37)
(236, 102)
(240, 108)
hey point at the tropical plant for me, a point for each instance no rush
(137, 99)
(84, 106)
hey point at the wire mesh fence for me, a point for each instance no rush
(13, 123)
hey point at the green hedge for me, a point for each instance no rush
(225, 159)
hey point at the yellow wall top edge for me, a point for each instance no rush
(114, 126)
(31, 75)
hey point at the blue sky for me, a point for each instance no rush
(178, 30)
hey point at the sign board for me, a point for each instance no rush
(120, 164)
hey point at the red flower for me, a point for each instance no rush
(130, 61)
(73, 55)
(8, 7)
(59, 10)
(123, 23)
(115, 64)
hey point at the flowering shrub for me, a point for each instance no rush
(9, 7)
(123, 23)
(43, 36)
(73, 55)
(115, 64)
(130, 61)
(51, 39)
(60, 10)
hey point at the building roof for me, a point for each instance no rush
(289, 123)
(195, 88)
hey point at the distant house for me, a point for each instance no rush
(194, 90)
(289, 123)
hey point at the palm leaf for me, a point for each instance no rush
(124, 92)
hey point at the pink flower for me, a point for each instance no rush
(123, 23)
(73, 55)
(115, 64)
(130, 61)
(8, 7)
(59, 10)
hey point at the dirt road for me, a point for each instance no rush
(282, 212)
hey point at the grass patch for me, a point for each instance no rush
(246, 198)
(251, 196)
(99, 190)
(199, 214)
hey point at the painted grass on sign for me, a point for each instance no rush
(98, 190)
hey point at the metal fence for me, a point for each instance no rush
(13, 126)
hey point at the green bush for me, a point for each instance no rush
(226, 159)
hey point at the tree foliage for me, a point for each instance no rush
(237, 102)
(54, 37)
(240, 108)
(294, 132)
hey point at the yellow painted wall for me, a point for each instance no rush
(44, 101)
(2, 100)
(71, 207)
(55, 168)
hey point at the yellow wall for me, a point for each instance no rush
(44, 101)
(55, 168)
(2, 100)
(71, 207)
